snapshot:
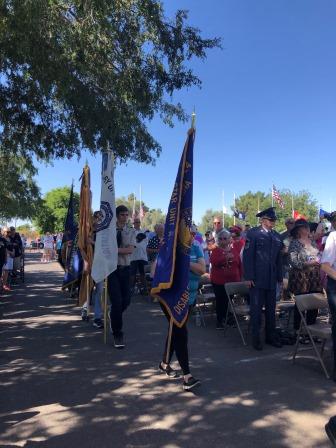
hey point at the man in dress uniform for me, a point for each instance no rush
(262, 260)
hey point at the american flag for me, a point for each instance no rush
(276, 196)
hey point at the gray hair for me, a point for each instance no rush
(222, 233)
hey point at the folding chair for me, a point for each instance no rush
(204, 300)
(234, 291)
(285, 305)
(320, 329)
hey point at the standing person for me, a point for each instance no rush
(286, 238)
(262, 260)
(16, 241)
(304, 272)
(139, 256)
(119, 281)
(9, 260)
(328, 265)
(226, 267)
(48, 247)
(3, 251)
(179, 336)
(217, 227)
(153, 246)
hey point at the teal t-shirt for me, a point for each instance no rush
(196, 252)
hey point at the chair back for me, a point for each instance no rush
(240, 288)
(311, 301)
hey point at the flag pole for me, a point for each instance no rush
(292, 206)
(223, 208)
(234, 208)
(272, 195)
(140, 214)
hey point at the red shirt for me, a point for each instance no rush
(224, 271)
(238, 244)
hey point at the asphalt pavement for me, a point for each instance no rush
(61, 386)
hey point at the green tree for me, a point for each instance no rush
(303, 202)
(51, 215)
(19, 193)
(151, 216)
(208, 217)
(79, 74)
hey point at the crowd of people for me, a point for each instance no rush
(304, 255)
(11, 253)
(303, 258)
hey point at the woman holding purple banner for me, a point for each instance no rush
(178, 340)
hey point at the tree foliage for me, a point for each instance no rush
(302, 201)
(77, 75)
(19, 193)
(51, 215)
(208, 217)
(151, 216)
(250, 203)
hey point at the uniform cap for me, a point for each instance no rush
(268, 213)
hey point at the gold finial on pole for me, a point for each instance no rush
(193, 119)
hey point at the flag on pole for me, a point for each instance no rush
(70, 226)
(133, 211)
(73, 262)
(238, 214)
(70, 259)
(85, 235)
(297, 215)
(141, 213)
(323, 214)
(276, 196)
(106, 249)
(171, 278)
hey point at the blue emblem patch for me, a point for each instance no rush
(106, 216)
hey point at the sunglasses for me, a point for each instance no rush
(223, 239)
(216, 222)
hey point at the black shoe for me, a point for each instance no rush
(119, 341)
(220, 326)
(98, 323)
(330, 429)
(256, 343)
(171, 373)
(84, 314)
(333, 377)
(274, 342)
(190, 383)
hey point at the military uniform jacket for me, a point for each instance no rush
(262, 258)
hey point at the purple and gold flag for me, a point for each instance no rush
(171, 278)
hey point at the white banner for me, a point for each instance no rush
(106, 249)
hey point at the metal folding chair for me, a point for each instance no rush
(204, 301)
(237, 291)
(321, 329)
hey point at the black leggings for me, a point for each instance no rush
(222, 302)
(178, 344)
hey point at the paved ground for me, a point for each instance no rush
(62, 387)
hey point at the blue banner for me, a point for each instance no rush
(73, 263)
(323, 214)
(70, 226)
(171, 278)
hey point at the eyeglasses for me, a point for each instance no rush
(223, 238)
(215, 222)
(136, 222)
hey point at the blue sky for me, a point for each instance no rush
(265, 113)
